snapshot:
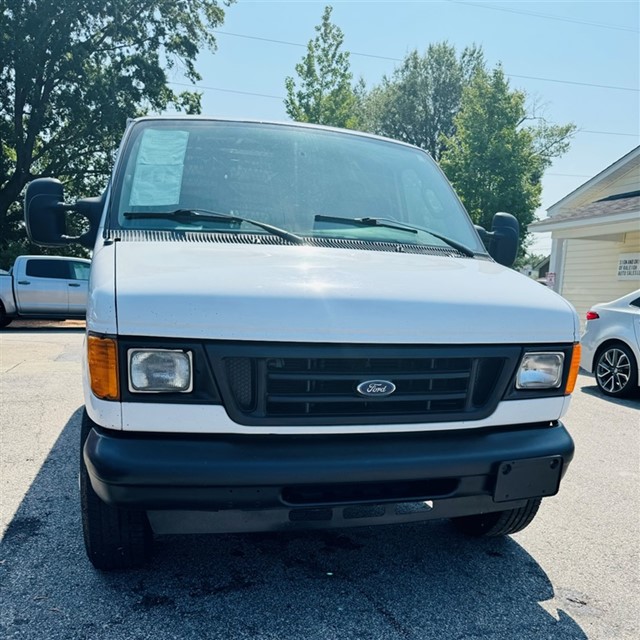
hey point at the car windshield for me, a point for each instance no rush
(307, 181)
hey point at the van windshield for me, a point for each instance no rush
(306, 181)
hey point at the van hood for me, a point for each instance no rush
(309, 294)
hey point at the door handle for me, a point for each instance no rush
(73, 284)
(24, 282)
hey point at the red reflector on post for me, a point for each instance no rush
(592, 315)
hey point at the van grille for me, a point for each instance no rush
(294, 385)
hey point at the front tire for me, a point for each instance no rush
(616, 370)
(114, 538)
(498, 523)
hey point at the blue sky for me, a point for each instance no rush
(593, 43)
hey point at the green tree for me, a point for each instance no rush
(324, 93)
(528, 259)
(495, 160)
(72, 72)
(419, 102)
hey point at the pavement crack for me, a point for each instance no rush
(14, 366)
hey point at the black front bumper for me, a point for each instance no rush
(482, 469)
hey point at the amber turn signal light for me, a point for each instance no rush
(573, 370)
(102, 356)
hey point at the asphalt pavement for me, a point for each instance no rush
(573, 573)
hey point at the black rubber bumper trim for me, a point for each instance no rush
(157, 471)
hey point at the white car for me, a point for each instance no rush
(611, 345)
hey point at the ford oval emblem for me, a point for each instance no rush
(376, 388)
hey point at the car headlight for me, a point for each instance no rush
(160, 371)
(540, 371)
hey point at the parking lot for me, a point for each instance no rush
(572, 574)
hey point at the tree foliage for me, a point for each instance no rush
(72, 72)
(324, 93)
(529, 260)
(419, 102)
(493, 159)
(492, 146)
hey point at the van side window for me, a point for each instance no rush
(47, 269)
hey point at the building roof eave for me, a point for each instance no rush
(622, 165)
(618, 223)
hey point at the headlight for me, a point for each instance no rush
(540, 371)
(160, 371)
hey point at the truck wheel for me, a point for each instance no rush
(616, 370)
(498, 523)
(114, 538)
(4, 318)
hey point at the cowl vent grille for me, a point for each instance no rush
(154, 235)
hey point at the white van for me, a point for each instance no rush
(292, 326)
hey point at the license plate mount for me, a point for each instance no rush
(530, 478)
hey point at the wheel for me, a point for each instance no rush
(4, 318)
(498, 523)
(114, 538)
(616, 370)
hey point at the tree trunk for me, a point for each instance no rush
(9, 193)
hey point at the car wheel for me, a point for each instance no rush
(4, 318)
(616, 370)
(114, 538)
(498, 523)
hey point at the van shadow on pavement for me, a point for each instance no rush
(409, 582)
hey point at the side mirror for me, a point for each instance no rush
(506, 233)
(503, 240)
(45, 215)
(44, 212)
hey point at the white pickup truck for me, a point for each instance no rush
(50, 287)
(293, 326)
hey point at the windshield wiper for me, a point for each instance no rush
(390, 223)
(193, 215)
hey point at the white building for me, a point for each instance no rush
(595, 231)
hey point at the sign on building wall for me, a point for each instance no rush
(629, 266)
